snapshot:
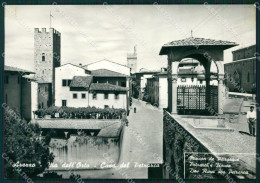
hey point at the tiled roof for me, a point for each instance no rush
(108, 128)
(106, 87)
(106, 73)
(79, 66)
(199, 41)
(192, 41)
(85, 66)
(81, 81)
(145, 71)
(15, 69)
(162, 73)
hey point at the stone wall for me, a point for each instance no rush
(243, 53)
(241, 75)
(47, 45)
(176, 141)
(179, 140)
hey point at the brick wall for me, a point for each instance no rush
(243, 74)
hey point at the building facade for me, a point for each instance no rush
(107, 71)
(139, 81)
(64, 76)
(20, 94)
(241, 72)
(78, 87)
(157, 90)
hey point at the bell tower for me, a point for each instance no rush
(46, 58)
(132, 61)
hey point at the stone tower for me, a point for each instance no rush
(46, 58)
(132, 61)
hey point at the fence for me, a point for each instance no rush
(192, 99)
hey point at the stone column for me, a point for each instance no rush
(169, 80)
(221, 88)
(174, 93)
(221, 93)
(207, 78)
(174, 86)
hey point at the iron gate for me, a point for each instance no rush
(192, 100)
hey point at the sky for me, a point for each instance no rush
(90, 33)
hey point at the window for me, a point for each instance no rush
(123, 84)
(64, 103)
(116, 96)
(6, 79)
(83, 95)
(69, 81)
(18, 80)
(106, 96)
(43, 57)
(66, 82)
(94, 96)
(183, 79)
(248, 77)
(201, 81)
(75, 95)
(42, 104)
(106, 106)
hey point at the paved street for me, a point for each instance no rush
(142, 138)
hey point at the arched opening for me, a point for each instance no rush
(43, 57)
(197, 85)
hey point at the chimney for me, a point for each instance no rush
(80, 64)
(163, 69)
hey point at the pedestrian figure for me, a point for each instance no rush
(251, 119)
(134, 109)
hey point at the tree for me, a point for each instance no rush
(23, 147)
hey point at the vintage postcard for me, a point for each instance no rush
(130, 92)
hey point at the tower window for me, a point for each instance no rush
(43, 57)
(64, 82)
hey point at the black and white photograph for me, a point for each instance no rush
(136, 91)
